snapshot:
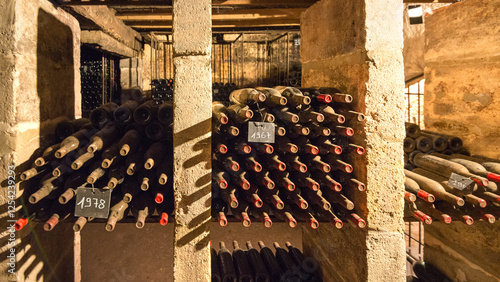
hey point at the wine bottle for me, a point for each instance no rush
(214, 263)
(117, 175)
(219, 146)
(117, 212)
(429, 209)
(308, 114)
(165, 208)
(318, 130)
(130, 142)
(435, 188)
(239, 113)
(240, 146)
(104, 137)
(165, 113)
(154, 155)
(412, 130)
(286, 264)
(305, 215)
(246, 96)
(134, 161)
(111, 156)
(316, 97)
(295, 197)
(47, 156)
(48, 185)
(285, 145)
(273, 97)
(59, 213)
(142, 206)
(156, 131)
(293, 95)
(273, 162)
(306, 181)
(285, 215)
(281, 178)
(257, 264)
(352, 116)
(263, 148)
(330, 115)
(305, 146)
(423, 144)
(270, 261)
(72, 183)
(316, 197)
(326, 180)
(454, 143)
(225, 259)
(262, 213)
(413, 187)
(338, 164)
(229, 196)
(96, 172)
(219, 210)
(241, 213)
(219, 113)
(285, 115)
(338, 198)
(124, 114)
(74, 142)
(146, 112)
(102, 115)
(337, 95)
(272, 197)
(315, 163)
(264, 179)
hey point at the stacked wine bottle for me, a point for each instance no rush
(302, 176)
(126, 149)
(263, 266)
(443, 182)
(162, 90)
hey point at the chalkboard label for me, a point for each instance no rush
(92, 202)
(460, 182)
(261, 132)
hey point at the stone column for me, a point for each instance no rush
(356, 46)
(192, 33)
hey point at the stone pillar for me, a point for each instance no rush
(356, 46)
(192, 33)
(462, 98)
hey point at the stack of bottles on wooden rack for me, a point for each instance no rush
(304, 175)
(443, 182)
(263, 265)
(126, 149)
(162, 90)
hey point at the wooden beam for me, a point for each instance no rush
(263, 3)
(217, 15)
(162, 25)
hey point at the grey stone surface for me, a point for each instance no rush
(192, 27)
(106, 42)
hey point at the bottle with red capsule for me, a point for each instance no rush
(263, 148)
(229, 162)
(336, 198)
(317, 98)
(273, 97)
(240, 179)
(273, 162)
(285, 215)
(246, 96)
(349, 182)
(412, 210)
(330, 115)
(308, 114)
(281, 179)
(294, 198)
(318, 130)
(262, 213)
(328, 216)
(316, 198)
(142, 206)
(219, 210)
(348, 147)
(219, 145)
(285, 115)
(294, 162)
(285, 145)
(455, 214)
(159, 192)
(219, 114)
(342, 130)
(352, 116)
(241, 213)
(220, 177)
(272, 197)
(229, 196)
(305, 215)
(165, 209)
(326, 180)
(349, 216)
(306, 181)
(337, 95)
(337, 164)
(251, 163)
(430, 210)
(229, 130)
(59, 213)
(239, 113)
(294, 97)
(305, 146)
(263, 178)
(327, 146)
(315, 163)
(240, 146)
(251, 196)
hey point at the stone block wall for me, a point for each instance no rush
(462, 98)
(461, 77)
(39, 80)
(356, 46)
